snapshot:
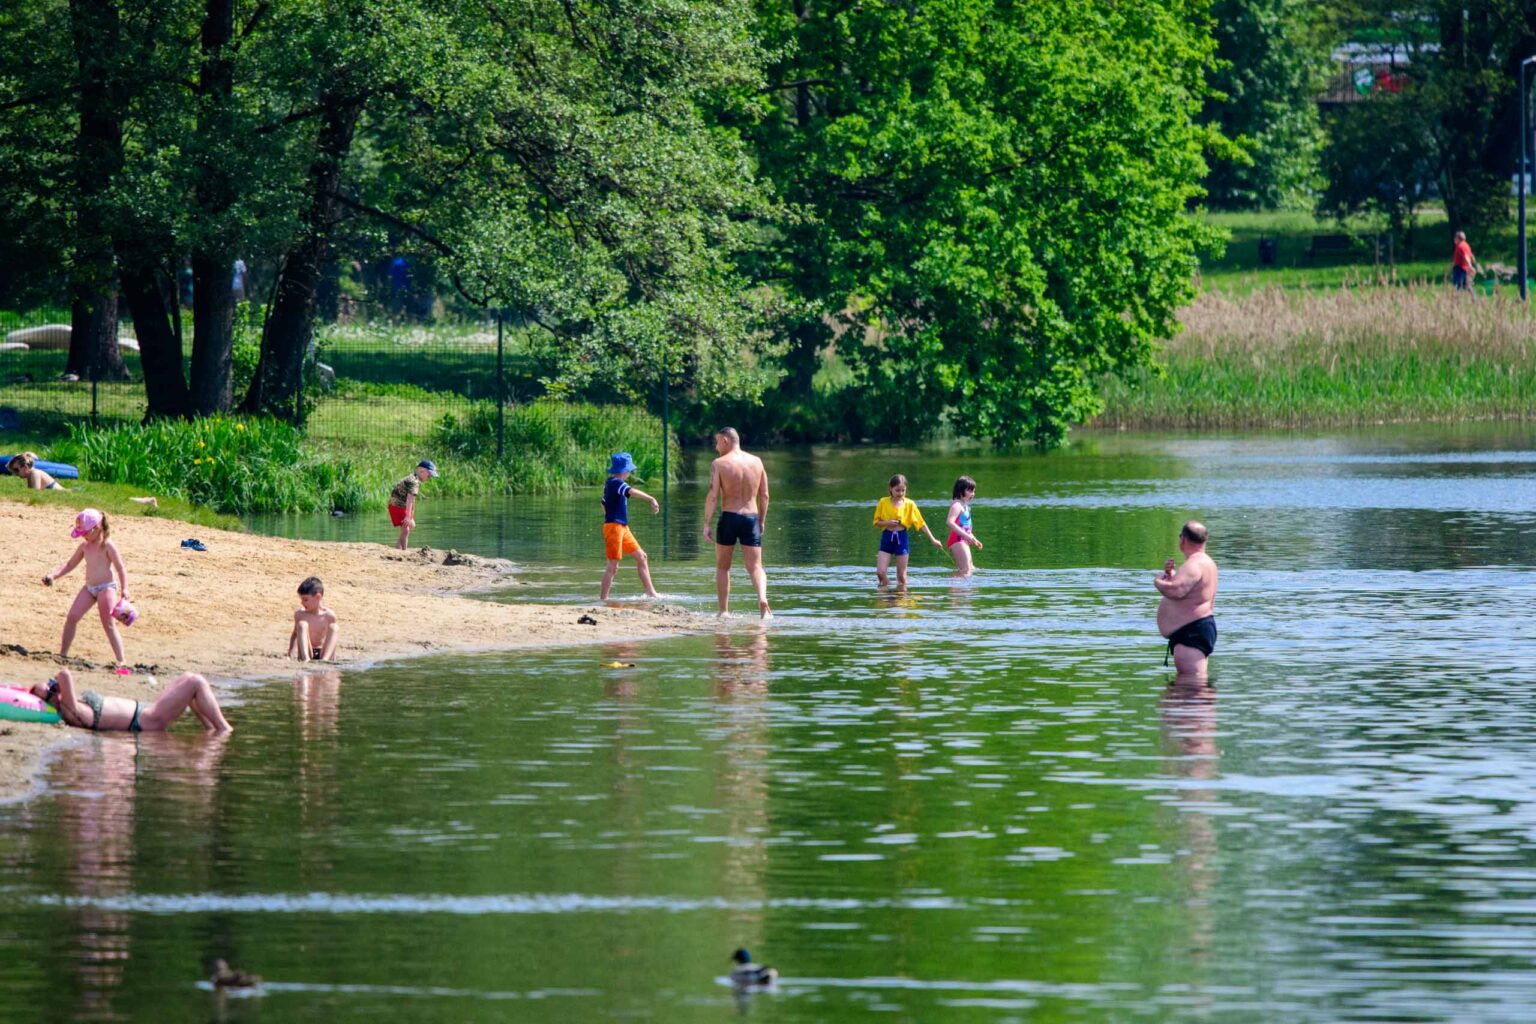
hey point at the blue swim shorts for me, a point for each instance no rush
(895, 542)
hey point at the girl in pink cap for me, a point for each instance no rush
(100, 588)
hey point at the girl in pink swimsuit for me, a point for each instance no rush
(961, 539)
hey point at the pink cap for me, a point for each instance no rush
(125, 612)
(85, 522)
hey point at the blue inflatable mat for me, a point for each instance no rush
(61, 470)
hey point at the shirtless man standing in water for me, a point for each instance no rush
(1185, 615)
(740, 483)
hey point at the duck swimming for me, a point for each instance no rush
(747, 974)
(225, 976)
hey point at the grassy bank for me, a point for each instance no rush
(239, 466)
(1336, 357)
(401, 393)
(113, 499)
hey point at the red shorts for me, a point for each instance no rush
(618, 541)
(397, 514)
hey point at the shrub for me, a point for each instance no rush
(552, 446)
(236, 466)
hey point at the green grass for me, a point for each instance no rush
(229, 464)
(443, 358)
(1238, 271)
(113, 500)
(240, 466)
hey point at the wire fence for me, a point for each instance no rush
(385, 381)
(380, 393)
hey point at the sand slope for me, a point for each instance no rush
(226, 612)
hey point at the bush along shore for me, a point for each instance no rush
(239, 466)
(1335, 357)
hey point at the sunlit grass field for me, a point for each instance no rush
(400, 395)
(1237, 269)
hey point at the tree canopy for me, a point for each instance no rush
(981, 205)
(1272, 61)
(993, 197)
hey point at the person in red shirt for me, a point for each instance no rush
(1463, 266)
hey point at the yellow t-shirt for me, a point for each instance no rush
(911, 518)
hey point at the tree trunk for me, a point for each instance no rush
(95, 30)
(291, 321)
(213, 333)
(165, 386)
(213, 303)
(328, 293)
(93, 351)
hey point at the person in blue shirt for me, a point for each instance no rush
(617, 538)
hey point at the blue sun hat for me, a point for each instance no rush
(620, 462)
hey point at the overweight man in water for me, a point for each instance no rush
(1186, 614)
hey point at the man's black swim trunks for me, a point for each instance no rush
(735, 528)
(1200, 634)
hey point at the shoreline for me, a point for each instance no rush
(226, 614)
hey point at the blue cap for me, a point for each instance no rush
(428, 465)
(622, 463)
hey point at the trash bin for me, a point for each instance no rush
(1269, 251)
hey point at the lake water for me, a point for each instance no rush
(979, 802)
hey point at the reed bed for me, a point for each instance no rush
(1338, 356)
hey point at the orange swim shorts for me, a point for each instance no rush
(619, 541)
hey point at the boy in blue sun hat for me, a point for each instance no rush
(617, 539)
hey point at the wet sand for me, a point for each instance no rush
(227, 612)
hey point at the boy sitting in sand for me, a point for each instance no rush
(402, 500)
(314, 628)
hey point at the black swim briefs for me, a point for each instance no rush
(735, 528)
(1200, 634)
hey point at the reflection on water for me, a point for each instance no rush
(980, 800)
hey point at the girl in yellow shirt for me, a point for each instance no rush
(895, 516)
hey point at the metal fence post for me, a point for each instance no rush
(665, 450)
(501, 389)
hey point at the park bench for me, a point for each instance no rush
(1324, 244)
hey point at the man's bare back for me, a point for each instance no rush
(739, 478)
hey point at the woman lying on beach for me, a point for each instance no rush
(90, 710)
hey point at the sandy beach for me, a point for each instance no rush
(226, 612)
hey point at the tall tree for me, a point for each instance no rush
(550, 156)
(217, 144)
(994, 196)
(1272, 60)
(97, 36)
(1463, 60)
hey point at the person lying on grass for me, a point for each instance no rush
(91, 710)
(25, 466)
(314, 627)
